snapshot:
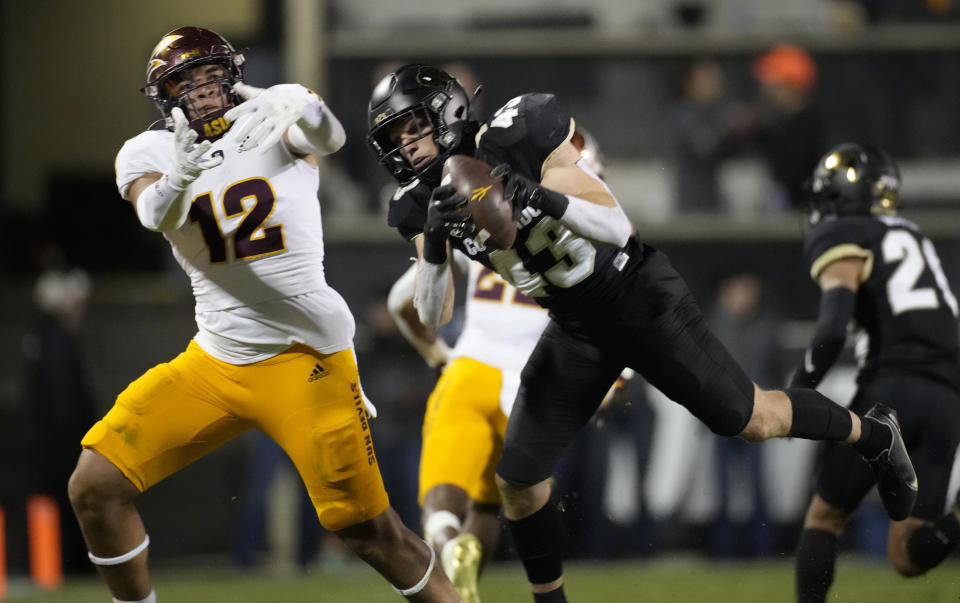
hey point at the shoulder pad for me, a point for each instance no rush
(524, 133)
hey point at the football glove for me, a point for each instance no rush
(188, 162)
(446, 217)
(523, 192)
(269, 113)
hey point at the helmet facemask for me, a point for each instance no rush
(418, 123)
(207, 120)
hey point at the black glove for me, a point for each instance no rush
(446, 217)
(523, 192)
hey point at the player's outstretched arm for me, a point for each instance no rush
(434, 293)
(290, 112)
(839, 283)
(160, 199)
(432, 348)
(433, 287)
(569, 194)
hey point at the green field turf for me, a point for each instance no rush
(661, 580)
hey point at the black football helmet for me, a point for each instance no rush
(853, 179)
(179, 50)
(441, 108)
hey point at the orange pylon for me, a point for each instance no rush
(3, 557)
(43, 532)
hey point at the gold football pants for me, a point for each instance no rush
(309, 403)
(463, 431)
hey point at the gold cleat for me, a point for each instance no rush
(461, 561)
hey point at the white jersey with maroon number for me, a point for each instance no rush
(501, 328)
(252, 246)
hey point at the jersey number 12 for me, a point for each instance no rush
(251, 239)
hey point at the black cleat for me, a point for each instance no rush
(896, 479)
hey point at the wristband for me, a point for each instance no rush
(550, 202)
(434, 250)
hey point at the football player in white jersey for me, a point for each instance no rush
(273, 349)
(467, 412)
(466, 415)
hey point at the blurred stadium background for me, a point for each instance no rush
(646, 485)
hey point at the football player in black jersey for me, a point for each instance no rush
(877, 269)
(614, 301)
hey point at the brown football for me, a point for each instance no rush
(491, 213)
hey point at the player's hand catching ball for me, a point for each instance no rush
(523, 192)
(446, 217)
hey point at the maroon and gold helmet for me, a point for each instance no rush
(179, 50)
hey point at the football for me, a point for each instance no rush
(490, 212)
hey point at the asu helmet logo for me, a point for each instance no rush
(163, 43)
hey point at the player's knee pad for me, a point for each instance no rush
(406, 592)
(520, 469)
(120, 558)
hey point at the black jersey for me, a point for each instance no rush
(905, 312)
(548, 262)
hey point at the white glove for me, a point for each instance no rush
(269, 113)
(187, 162)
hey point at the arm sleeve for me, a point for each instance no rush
(433, 348)
(597, 222)
(161, 206)
(431, 292)
(318, 132)
(836, 309)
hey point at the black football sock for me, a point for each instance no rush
(554, 596)
(539, 542)
(816, 417)
(930, 544)
(816, 558)
(875, 437)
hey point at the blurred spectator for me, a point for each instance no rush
(58, 396)
(398, 382)
(741, 322)
(250, 534)
(701, 137)
(785, 125)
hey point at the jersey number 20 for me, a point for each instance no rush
(901, 246)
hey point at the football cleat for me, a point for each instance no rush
(896, 478)
(461, 562)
